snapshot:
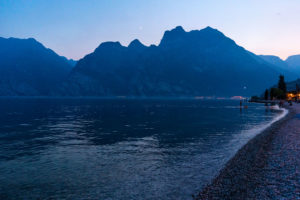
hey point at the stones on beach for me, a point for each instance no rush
(268, 167)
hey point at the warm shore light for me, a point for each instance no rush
(293, 95)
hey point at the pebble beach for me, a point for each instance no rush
(267, 167)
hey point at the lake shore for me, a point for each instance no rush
(267, 167)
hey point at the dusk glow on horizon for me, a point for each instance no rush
(75, 28)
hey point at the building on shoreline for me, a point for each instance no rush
(293, 95)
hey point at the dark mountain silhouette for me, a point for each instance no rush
(291, 85)
(275, 60)
(195, 63)
(294, 63)
(293, 60)
(283, 67)
(71, 62)
(28, 68)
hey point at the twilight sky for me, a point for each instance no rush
(74, 28)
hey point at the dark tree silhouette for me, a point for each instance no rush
(276, 93)
(282, 87)
(272, 93)
(267, 95)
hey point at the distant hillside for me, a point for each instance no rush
(197, 63)
(292, 85)
(294, 63)
(290, 67)
(72, 62)
(275, 60)
(28, 68)
(283, 67)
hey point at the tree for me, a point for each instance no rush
(272, 93)
(267, 95)
(276, 93)
(282, 87)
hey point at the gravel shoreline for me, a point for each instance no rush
(267, 167)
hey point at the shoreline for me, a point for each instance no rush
(239, 178)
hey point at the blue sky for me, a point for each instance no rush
(74, 28)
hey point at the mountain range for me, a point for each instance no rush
(291, 64)
(196, 63)
(27, 68)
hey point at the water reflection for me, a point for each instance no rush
(132, 149)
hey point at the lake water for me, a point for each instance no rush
(119, 149)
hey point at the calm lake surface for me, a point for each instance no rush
(119, 149)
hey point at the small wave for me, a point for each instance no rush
(245, 135)
(277, 118)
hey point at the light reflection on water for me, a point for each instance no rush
(118, 149)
